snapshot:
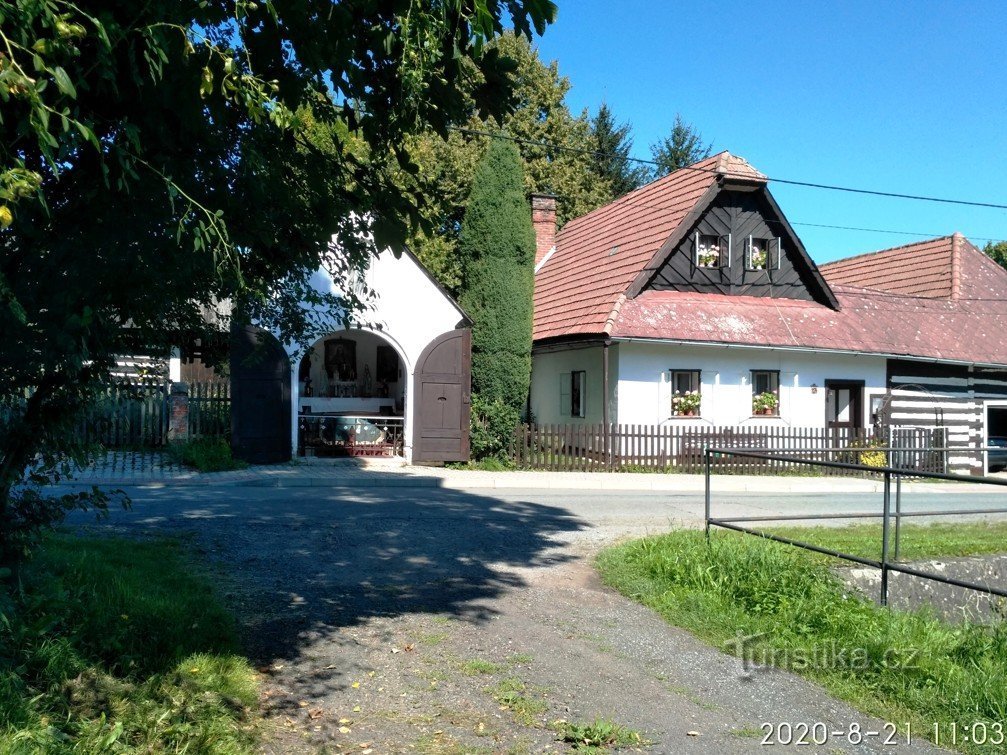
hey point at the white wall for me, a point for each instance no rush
(408, 311)
(550, 371)
(726, 383)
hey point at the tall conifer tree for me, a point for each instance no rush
(612, 144)
(497, 248)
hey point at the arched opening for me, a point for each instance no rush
(352, 387)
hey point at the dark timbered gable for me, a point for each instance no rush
(739, 218)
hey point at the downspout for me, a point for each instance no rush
(606, 432)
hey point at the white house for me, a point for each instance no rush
(694, 291)
(399, 381)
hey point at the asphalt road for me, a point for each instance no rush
(610, 513)
(363, 605)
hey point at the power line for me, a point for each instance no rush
(884, 230)
(791, 182)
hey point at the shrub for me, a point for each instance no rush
(493, 426)
(866, 457)
(206, 455)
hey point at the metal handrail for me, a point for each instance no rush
(886, 565)
(760, 454)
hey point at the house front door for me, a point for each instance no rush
(844, 402)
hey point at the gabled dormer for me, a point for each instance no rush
(735, 241)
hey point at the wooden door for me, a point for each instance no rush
(442, 392)
(260, 397)
(844, 412)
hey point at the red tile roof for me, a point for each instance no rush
(598, 255)
(920, 269)
(940, 299)
(950, 267)
(867, 321)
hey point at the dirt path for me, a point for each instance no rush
(446, 622)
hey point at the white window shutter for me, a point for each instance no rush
(664, 395)
(788, 382)
(564, 394)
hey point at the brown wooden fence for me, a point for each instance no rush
(679, 448)
(125, 417)
(210, 409)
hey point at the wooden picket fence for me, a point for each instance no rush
(131, 417)
(210, 409)
(680, 448)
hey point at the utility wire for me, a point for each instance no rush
(882, 230)
(808, 184)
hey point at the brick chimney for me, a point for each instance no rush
(543, 218)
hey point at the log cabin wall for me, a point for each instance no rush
(740, 214)
(953, 396)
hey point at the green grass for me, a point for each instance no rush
(597, 735)
(491, 464)
(477, 666)
(916, 541)
(895, 665)
(523, 701)
(119, 647)
(206, 455)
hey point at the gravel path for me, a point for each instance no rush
(438, 621)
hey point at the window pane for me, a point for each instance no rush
(710, 252)
(577, 393)
(843, 401)
(758, 254)
(684, 381)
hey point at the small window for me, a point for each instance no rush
(685, 393)
(766, 392)
(710, 251)
(757, 254)
(577, 384)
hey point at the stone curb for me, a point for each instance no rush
(686, 484)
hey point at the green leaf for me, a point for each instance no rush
(206, 85)
(87, 133)
(63, 82)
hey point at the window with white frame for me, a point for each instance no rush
(766, 392)
(757, 254)
(686, 397)
(711, 251)
(763, 254)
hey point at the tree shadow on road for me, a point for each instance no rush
(299, 565)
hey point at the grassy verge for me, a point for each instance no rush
(916, 541)
(119, 647)
(206, 455)
(796, 614)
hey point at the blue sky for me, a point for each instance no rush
(905, 97)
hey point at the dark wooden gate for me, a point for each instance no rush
(260, 397)
(442, 392)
